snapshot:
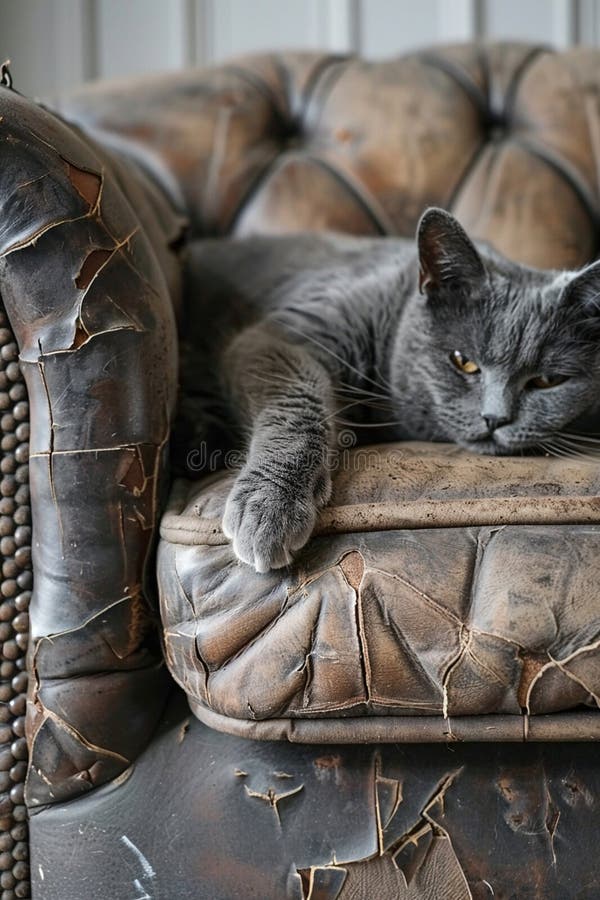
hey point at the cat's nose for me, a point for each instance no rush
(494, 422)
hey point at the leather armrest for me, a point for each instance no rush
(89, 302)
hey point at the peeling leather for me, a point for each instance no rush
(433, 630)
(504, 818)
(410, 864)
(87, 290)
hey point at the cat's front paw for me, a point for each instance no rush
(268, 520)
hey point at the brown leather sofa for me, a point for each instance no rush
(479, 780)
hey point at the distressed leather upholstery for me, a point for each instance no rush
(91, 250)
(505, 135)
(442, 587)
(86, 289)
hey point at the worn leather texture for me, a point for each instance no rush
(87, 292)
(207, 816)
(440, 585)
(506, 135)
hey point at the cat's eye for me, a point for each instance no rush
(463, 364)
(541, 382)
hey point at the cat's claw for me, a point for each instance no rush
(267, 522)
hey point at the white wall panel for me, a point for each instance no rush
(48, 43)
(56, 44)
(338, 24)
(588, 21)
(244, 26)
(549, 21)
(138, 36)
(389, 27)
(458, 20)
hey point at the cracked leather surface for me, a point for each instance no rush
(305, 822)
(379, 619)
(88, 293)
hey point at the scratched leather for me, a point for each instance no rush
(437, 622)
(244, 819)
(90, 297)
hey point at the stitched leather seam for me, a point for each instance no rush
(255, 81)
(252, 190)
(462, 79)
(566, 170)
(322, 89)
(354, 189)
(312, 91)
(467, 172)
(518, 75)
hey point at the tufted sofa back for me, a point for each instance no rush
(507, 135)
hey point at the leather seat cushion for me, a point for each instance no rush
(443, 595)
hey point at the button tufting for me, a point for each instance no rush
(496, 133)
(495, 126)
(291, 133)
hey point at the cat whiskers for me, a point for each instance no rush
(589, 452)
(395, 422)
(344, 385)
(365, 401)
(371, 403)
(357, 396)
(345, 392)
(340, 359)
(568, 448)
(590, 437)
(549, 449)
(386, 383)
(367, 398)
(271, 377)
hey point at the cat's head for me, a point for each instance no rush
(505, 357)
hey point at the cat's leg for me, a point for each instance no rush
(284, 399)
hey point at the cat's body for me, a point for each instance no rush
(284, 282)
(297, 337)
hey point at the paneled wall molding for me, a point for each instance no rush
(564, 23)
(200, 48)
(337, 25)
(56, 44)
(587, 13)
(460, 20)
(75, 40)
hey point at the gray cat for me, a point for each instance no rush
(442, 341)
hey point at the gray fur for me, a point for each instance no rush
(302, 335)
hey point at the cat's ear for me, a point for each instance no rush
(448, 259)
(582, 293)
